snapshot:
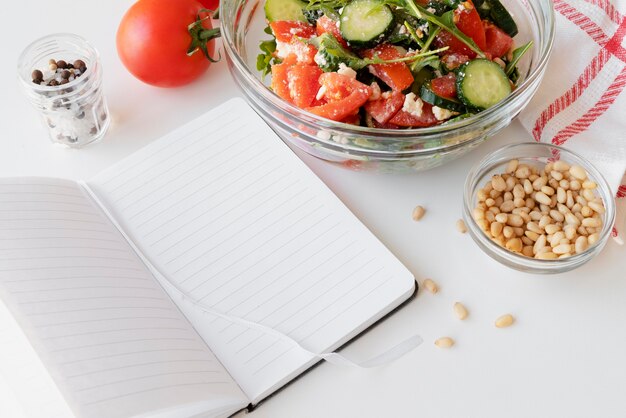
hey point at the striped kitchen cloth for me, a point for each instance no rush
(581, 103)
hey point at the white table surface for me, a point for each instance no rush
(564, 357)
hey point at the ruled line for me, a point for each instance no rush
(114, 330)
(99, 309)
(124, 318)
(181, 139)
(152, 390)
(253, 208)
(92, 298)
(128, 353)
(194, 192)
(215, 153)
(204, 212)
(121, 342)
(117, 382)
(151, 363)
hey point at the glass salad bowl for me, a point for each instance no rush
(383, 150)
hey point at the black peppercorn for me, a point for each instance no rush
(37, 76)
(61, 64)
(64, 81)
(65, 74)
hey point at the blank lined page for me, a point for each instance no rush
(224, 210)
(113, 341)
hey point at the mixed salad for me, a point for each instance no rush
(391, 63)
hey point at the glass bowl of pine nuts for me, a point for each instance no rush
(538, 208)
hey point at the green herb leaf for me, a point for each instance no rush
(517, 55)
(266, 58)
(445, 21)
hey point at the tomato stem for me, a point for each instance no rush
(201, 36)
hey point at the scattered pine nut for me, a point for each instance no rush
(460, 311)
(505, 321)
(430, 286)
(444, 342)
(460, 226)
(418, 213)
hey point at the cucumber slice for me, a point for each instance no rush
(481, 84)
(365, 23)
(428, 95)
(501, 17)
(285, 10)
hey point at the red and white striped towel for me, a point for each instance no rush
(581, 103)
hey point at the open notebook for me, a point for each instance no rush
(108, 278)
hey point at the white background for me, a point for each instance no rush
(564, 357)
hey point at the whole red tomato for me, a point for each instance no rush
(154, 37)
(211, 4)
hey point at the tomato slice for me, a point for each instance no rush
(280, 80)
(468, 21)
(355, 94)
(303, 84)
(327, 25)
(444, 86)
(384, 108)
(498, 41)
(286, 30)
(406, 119)
(397, 75)
(353, 119)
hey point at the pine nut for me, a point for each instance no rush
(528, 186)
(557, 175)
(588, 184)
(483, 224)
(511, 166)
(592, 222)
(597, 206)
(430, 286)
(510, 183)
(522, 172)
(444, 342)
(490, 202)
(539, 243)
(593, 238)
(518, 231)
(528, 251)
(562, 249)
(549, 255)
(552, 228)
(570, 232)
(574, 185)
(496, 229)
(542, 198)
(534, 228)
(586, 211)
(504, 321)
(515, 220)
(588, 194)
(460, 311)
(557, 216)
(571, 219)
(498, 183)
(581, 244)
(560, 166)
(531, 235)
(578, 172)
(556, 238)
(460, 226)
(508, 232)
(561, 195)
(544, 221)
(418, 213)
(514, 244)
(507, 206)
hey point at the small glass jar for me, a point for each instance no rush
(535, 154)
(74, 113)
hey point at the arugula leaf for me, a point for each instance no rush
(517, 55)
(445, 21)
(266, 58)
